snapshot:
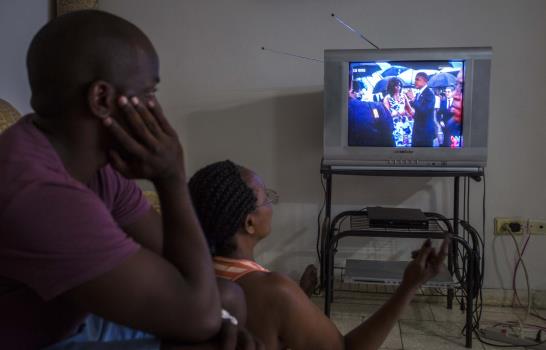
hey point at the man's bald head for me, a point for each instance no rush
(74, 50)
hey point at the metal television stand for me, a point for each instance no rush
(357, 224)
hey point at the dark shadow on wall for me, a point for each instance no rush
(281, 139)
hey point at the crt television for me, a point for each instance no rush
(408, 108)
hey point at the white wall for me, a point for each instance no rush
(230, 99)
(19, 21)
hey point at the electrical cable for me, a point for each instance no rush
(320, 225)
(478, 336)
(478, 299)
(483, 240)
(466, 200)
(537, 315)
(507, 228)
(476, 244)
(515, 296)
(521, 323)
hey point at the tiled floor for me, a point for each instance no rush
(426, 324)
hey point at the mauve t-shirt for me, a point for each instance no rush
(55, 234)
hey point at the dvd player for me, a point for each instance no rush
(382, 217)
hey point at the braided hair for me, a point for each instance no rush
(222, 201)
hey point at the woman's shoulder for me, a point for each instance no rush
(273, 284)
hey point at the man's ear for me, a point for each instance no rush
(249, 225)
(101, 98)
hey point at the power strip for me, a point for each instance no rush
(505, 335)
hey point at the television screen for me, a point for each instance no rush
(411, 108)
(406, 103)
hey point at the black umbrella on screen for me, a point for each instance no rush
(442, 80)
(381, 86)
(420, 65)
(393, 71)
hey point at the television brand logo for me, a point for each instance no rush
(403, 151)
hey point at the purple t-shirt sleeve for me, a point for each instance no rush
(128, 203)
(122, 197)
(65, 236)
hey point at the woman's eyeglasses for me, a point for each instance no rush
(271, 197)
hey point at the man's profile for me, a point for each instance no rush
(77, 236)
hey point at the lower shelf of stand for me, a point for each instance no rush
(388, 272)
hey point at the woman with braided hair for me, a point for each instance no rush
(235, 211)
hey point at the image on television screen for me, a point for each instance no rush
(406, 104)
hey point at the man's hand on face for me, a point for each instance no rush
(149, 145)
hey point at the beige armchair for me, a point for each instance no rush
(8, 115)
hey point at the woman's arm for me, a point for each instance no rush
(373, 332)
(387, 105)
(302, 325)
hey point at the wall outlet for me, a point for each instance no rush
(517, 226)
(537, 227)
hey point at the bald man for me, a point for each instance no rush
(76, 236)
